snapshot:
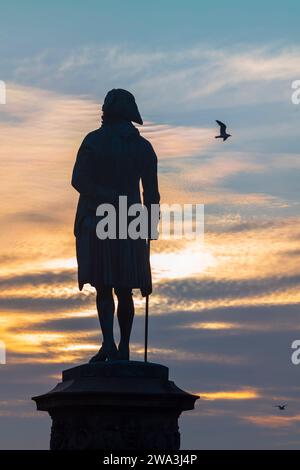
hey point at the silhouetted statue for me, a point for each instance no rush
(111, 162)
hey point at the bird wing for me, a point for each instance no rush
(222, 125)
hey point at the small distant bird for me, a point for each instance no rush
(223, 134)
(281, 407)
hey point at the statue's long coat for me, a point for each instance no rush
(112, 161)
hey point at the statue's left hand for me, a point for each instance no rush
(146, 291)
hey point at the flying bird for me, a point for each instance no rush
(223, 134)
(281, 407)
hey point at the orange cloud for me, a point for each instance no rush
(271, 421)
(244, 394)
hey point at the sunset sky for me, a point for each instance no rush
(224, 314)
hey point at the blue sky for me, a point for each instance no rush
(171, 24)
(223, 315)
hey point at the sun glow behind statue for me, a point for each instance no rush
(190, 261)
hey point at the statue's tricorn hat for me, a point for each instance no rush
(120, 103)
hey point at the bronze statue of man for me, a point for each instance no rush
(111, 162)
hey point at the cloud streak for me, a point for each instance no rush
(183, 78)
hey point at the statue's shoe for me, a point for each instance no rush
(104, 353)
(123, 352)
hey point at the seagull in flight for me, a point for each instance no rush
(223, 134)
(281, 407)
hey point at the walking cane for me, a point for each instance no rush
(147, 315)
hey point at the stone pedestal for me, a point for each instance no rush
(116, 405)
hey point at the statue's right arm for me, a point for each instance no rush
(82, 177)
